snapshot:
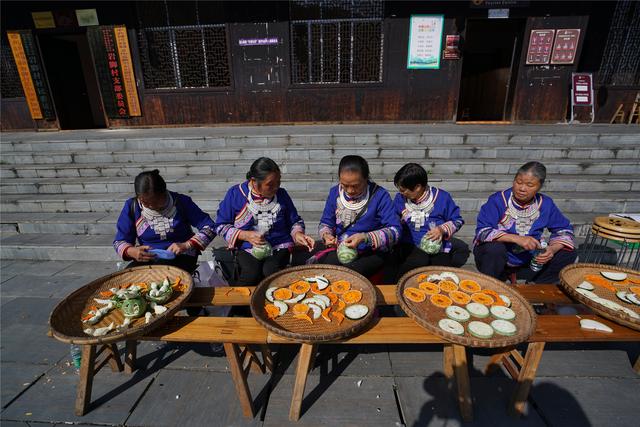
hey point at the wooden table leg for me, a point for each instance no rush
(447, 362)
(267, 357)
(83, 393)
(130, 355)
(239, 378)
(305, 356)
(113, 356)
(636, 366)
(525, 378)
(461, 370)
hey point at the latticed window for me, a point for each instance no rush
(620, 64)
(336, 41)
(182, 56)
(10, 85)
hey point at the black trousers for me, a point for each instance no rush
(252, 271)
(407, 256)
(491, 259)
(186, 262)
(367, 264)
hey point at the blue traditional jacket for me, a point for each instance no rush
(495, 220)
(441, 210)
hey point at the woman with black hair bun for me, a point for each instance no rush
(259, 218)
(429, 218)
(161, 220)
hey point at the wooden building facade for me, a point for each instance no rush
(70, 65)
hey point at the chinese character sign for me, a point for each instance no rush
(565, 46)
(128, 78)
(115, 72)
(25, 75)
(425, 41)
(540, 44)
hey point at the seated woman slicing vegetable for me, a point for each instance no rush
(510, 227)
(429, 218)
(161, 221)
(259, 217)
(358, 226)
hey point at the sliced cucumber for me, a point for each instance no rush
(457, 313)
(322, 282)
(309, 279)
(323, 298)
(295, 299)
(317, 311)
(480, 329)
(433, 278)
(614, 275)
(588, 294)
(314, 300)
(269, 293)
(451, 326)
(356, 311)
(504, 313)
(633, 298)
(478, 310)
(281, 306)
(624, 297)
(586, 286)
(504, 327)
(506, 300)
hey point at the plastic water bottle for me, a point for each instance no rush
(76, 356)
(535, 266)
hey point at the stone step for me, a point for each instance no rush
(306, 201)
(312, 182)
(418, 152)
(315, 166)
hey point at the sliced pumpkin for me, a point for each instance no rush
(415, 294)
(303, 317)
(332, 297)
(440, 300)
(448, 285)
(422, 277)
(300, 287)
(341, 305)
(470, 286)
(282, 294)
(429, 288)
(106, 294)
(482, 298)
(177, 282)
(300, 309)
(635, 290)
(316, 290)
(339, 316)
(600, 281)
(460, 297)
(272, 311)
(340, 286)
(352, 296)
(325, 314)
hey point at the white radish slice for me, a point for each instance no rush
(633, 298)
(356, 311)
(322, 282)
(317, 311)
(451, 326)
(587, 294)
(586, 286)
(480, 329)
(295, 299)
(281, 306)
(504, 313)
(434, 278)
(504, 327)
(314, 300)
(457, 313)
(269, 293)
(630, 312)
(449, 275)
(323, 298)
(477, 310)
(594, 325)
(505, 299)
(624, 297)
(614, 275)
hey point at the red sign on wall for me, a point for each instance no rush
(565, 46)
(540, 44)
(582, 89)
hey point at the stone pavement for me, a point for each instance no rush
(188, 385)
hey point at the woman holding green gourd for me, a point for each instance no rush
(429, 218)
(259, 218)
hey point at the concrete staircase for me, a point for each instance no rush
(62, 192)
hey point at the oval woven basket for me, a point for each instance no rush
(65, 319)
(428, 315)
(321, 330)
(572, 275)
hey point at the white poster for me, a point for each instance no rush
(425, 41)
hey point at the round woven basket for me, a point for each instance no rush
(65, 319)
(428, 315)
(321, 330)
(573, 275)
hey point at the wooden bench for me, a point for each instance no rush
(239, 334)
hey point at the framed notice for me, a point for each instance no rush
(582, 93)
(565, 46)
(540, 44)
(425, 41)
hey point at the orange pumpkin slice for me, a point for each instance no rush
(635, 290)
(332, 297)
(448, 286)
(634, 280)
(352, 296)
(282, 294)
(341, 305)
(460, 297)
(325, 314)
(340, 287)
(482, 298)
(415, 294)
(422, 277)
(300, 287)
(316, 290)
(440, 300)
(272, 311)
(303, 317)
(339, 316)
(599, 281)
(300, 309)
(429, 288)
(470, 286)
(106, 294)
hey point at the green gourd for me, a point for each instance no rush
(133, 307)
(261, 252)
(346, 254)
(430, 246)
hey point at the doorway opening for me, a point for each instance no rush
(72, 78)
(491, 54)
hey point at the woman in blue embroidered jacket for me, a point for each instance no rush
(257, 212)
(510, 226)
(161, 219)
(359, 214)
(424, 211)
